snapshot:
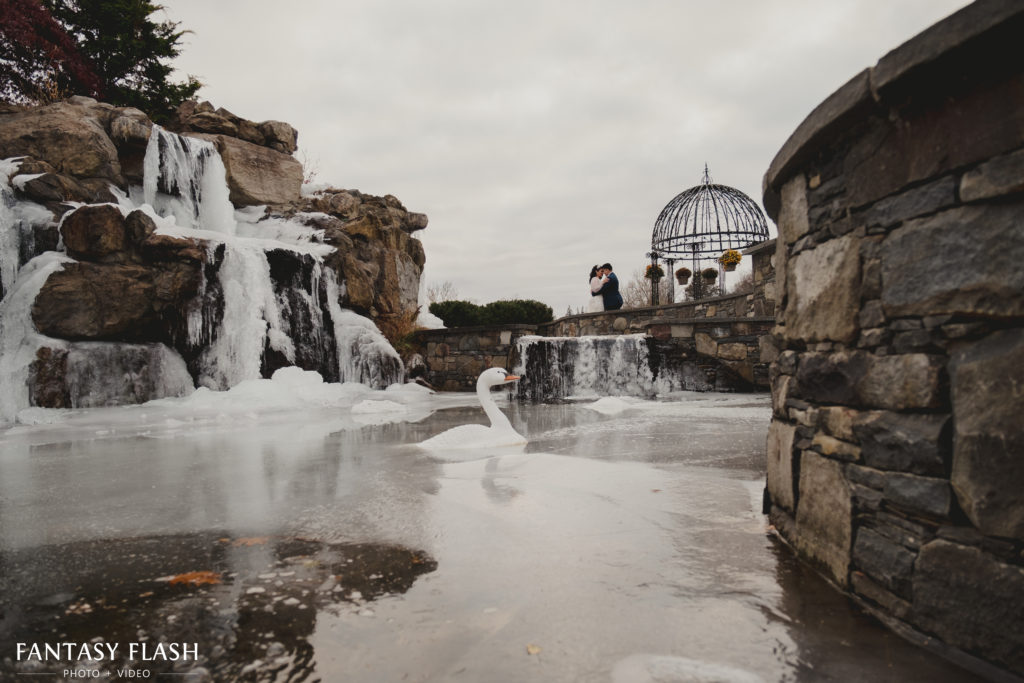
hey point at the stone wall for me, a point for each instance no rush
(456, 357)
(728, 336)
(896, 450)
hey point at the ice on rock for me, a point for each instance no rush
(240, 315)
(19, 339)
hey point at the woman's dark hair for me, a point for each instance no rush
(593, 273)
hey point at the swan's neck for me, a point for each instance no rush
(497, 417)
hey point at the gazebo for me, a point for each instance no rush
(703, 223)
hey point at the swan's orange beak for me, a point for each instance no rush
(511, 378)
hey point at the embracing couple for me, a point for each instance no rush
(604, 290)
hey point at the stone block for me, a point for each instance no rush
(768, 350)
(972, 601)
(732, 351)
(872, 314)
(706, 346)
(780, 464)
(902, 382)
(887, 562)
(682, 331)
(823, 515)
(912, 203)
(620, 324)
(835, 448)
(823, 296)
(660, 332)
(965, 260)
(866, 476)
(866, 588)
(917, 444)
(926, 496)
(780, 394)
(838, 421)
(786, 362)
(987, 387)
(996, 177)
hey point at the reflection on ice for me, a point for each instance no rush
(622, 547)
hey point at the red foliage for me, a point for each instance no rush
(38, 59)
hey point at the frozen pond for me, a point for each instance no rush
(625, 546)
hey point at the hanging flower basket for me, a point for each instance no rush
(709, 274)
(654, 272)
(730, 258)
(683, 275)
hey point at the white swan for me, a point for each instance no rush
(500, 433)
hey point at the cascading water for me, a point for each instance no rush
(597, 366)
(266, 299)
(250, 323)
(184, 178)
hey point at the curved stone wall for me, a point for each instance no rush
(896, 451)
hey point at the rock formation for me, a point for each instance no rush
(78, 185)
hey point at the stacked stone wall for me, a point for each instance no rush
(455, 357)
(896, 450)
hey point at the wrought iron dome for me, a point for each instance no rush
(707, 219)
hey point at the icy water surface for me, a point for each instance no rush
(620, 546)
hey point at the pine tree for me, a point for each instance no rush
(129, 52)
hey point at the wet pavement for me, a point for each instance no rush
(325, 546)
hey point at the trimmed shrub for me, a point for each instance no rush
(506, 312)
(456, 313)
(512, 311)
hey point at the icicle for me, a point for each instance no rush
(364, 354)
(186, 178)
(16, 221)
(251, 318)
(19, 339)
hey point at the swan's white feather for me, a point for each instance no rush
(499, 434)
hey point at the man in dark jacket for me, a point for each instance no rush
(610, 290)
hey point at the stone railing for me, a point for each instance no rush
(896, 450)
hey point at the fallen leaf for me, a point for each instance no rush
(253, 540)
(655, 490)
(532, 649)
(196, 578)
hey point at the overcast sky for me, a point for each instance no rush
(539, 137)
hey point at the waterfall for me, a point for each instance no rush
(597, 366)
(262, 313)
(184, 177)
(266, 300)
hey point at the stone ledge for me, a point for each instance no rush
(872, 87)
(941, 38)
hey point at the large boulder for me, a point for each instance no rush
(257, 175)
(71, 137)
(91, 301)
(94, 233)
